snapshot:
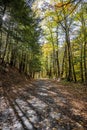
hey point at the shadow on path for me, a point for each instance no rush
(40, 105)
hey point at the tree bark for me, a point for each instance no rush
(64, 61)
(7, 39)
(81, 63)
(57, 55)
(69, 78)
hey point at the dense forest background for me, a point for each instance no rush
(45, 39)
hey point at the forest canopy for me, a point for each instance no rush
(45, 37)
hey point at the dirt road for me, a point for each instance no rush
(41, 105)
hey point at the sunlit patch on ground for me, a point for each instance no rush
(37, 103)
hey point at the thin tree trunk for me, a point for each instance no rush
(7, 39)
(85, 65)
(74, 73)
(85, 46)
(0, 43)
(58, 66)
(64, 59)
(54, 58)
(69, 78)
(57, 55)
(81, 63)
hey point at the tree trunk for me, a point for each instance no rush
(74, 73)
(64, 59)
(81, 63)
(58, 66)
(66, 27)
(57, 55)
(0, 43)
(85, 45)
(85, 65)
(69, 78)
(53, 58)
(5, 47)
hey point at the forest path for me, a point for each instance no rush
(41, 105)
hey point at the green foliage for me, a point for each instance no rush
(65, 29)
(21, 32)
